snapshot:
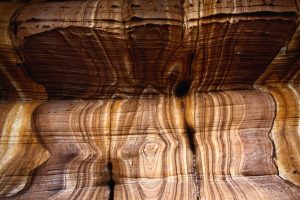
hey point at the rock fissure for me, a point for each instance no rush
(149, 99)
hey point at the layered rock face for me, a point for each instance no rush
(132, 99)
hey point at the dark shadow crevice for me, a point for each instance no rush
(182, 88)
(190, 133)
(111, 182)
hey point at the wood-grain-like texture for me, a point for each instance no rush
(15, 83)
(101, 49)
(20, 150)
(282, 80)
(158, 99)
(150, 151)
(233, 150)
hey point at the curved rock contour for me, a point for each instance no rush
(132, 99)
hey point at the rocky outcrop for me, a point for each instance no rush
(150, 99)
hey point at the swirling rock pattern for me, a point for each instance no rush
(233, 149)
(192, 99)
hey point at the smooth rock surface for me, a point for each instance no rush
(169, 99)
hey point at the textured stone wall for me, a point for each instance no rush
(159, 99)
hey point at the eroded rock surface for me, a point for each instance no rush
(150, 99)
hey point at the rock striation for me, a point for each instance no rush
(132, 99)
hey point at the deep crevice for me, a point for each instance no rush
(182, 88)
(190, 131)
(111, 182)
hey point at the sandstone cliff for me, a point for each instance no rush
(158, 99)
